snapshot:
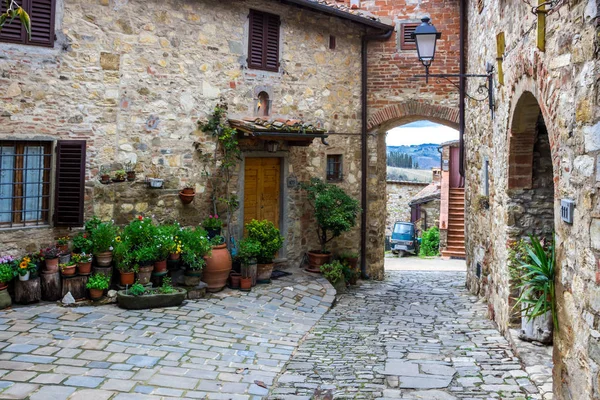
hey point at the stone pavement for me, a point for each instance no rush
(417, 335)
(230, 346)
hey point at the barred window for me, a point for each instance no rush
(24, 183)
(334, 167)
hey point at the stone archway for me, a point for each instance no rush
(378, 124)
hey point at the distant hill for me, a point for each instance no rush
(425, 154)
(409, 174)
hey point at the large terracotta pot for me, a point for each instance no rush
(127, 278)
(96, 294)
(316, 259)
(52, 265)
(145, 273)
(263, 273)
(160, 266)
(217, 269)
(84, 268)
(104, 259)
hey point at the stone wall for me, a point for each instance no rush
(562, 81)
(432, 211)
(134, 79)
(399, 195)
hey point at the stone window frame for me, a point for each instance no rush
(334, 175)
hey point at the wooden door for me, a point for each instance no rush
(262, 189)
(454, 167)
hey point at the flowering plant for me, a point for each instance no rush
(163, 244)
(62, 241)
(82, 243)
(50, 253)
(195, 245)
(212, 222)
(7, 270)
(25, 265)
(81, 257)
(103, 237)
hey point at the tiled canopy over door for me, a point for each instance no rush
(262, 189)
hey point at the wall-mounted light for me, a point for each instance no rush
(272, 146)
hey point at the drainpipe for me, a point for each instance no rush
(363, 139)
(461, 90)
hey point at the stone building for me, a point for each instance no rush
(425, 205)
(540, 149)
(399, 195)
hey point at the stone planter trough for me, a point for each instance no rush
(155, 300)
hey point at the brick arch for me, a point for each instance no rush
(521, 141)
(410, 111)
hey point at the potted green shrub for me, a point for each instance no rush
(138, 297)
(270, 240)
(144, 259)
(164, 244)
(82, 243)
(84, 263)
(130, 169)
(120, 175)
(97, 284)
(7, 274)
(68, 269)
(63, 244)
(103, 238)
(335, 213)
(249, 250)
(334, 273)
(194, 247)
(212, 225)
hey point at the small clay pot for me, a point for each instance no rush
(105, 179)
(127, 278)
(84, 268)
(104, 259)
(51, 265)
(173, 256)
(145, 273)
(160, 266)
(188, 190)
(96, 294)
(69, 271)
(246, 284)
(186, 198)
(234, 280)
(131, 176)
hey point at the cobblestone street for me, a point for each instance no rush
(418, 335)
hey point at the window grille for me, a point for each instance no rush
(334, 167)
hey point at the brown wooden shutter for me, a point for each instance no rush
(42, 22)
(263, 41)
(406, 40)
(70, 182)
(12, 32)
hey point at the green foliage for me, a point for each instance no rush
(49, 253)
(333, 272)
(212, 222)
(167, 286)
(194, 246)
(103, 237)
(164, 241)
(13, 10)
(144, 255)
(81, 257)
(82, 243)
(537, 276)
(92, 224)
(249, 249)
(335, 211)
(7, 272)
(346, 255)
(139, 232)
(349, 272)
(120, 174)
(137, 289)
(98, 281)
(401, 160)
(430, 242)
(265, 233)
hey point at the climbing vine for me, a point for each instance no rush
(219, 166)
(14, 10)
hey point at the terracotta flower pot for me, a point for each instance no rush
(105, 179)
(104, 259)
(217, 269)
(246, 284)
(160, 266)
(173, 256)
(145, 274)
(131, 176)
(186, 198)
(96, 294)
(188, 190)
(64, 248)
(234, 279)
(69, 271)
(127, 278)
(84, 268)
(263, 273)
(316, 259)
(51, 265)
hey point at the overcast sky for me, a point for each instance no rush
(420, 132)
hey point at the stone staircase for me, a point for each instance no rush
(456, 224)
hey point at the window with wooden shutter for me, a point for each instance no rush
(406, 40)
(263, 41)
(70, 183)
(42, 16)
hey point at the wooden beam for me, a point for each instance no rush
(500, 46)
(541, 25)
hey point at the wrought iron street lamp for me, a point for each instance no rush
(426, 36)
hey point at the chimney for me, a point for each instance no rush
(437, 175)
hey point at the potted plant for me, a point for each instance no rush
(7, 274)
(68, 269)
(127, 272)
(130, 169)
(103, 238)
(350, 258)
(50, 255)
(194, 247)
(139, 298)
(82, 243)
(537, 301)
(187, 195)
(120, 175)
(84, 263)
(335, 213)
(63, 244)
(212, 225)
(104, 175)
(218, 265)
(37, 259)
(144, 259)
(249, 250)
(25, 267)
(334, 273)
(153, 178)
(164, 244)
(97, 284)
(270, 240)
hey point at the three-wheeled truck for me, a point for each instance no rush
(404, 239)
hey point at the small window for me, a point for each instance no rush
(480, 5)
(334, 167)
(263, 41)
(42, 15)
(24, 183)
(332, 42)
(406, 40)
(263, 105)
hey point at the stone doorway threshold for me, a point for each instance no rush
(537, 361)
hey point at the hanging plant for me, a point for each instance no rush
(14, 10)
